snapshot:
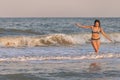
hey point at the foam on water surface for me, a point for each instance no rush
(52, 39)
(58, 58)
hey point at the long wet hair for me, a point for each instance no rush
(98, 22)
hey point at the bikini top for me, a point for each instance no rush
(96, 31)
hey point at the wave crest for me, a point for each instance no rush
(53, 39)
(20, 41)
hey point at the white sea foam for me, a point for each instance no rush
(20, 41)
(47, 58)
(52, 39)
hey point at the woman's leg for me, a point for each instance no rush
(98, 44)
(95, 46)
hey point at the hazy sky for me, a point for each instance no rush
(59, 8)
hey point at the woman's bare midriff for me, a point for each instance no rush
(95, 36)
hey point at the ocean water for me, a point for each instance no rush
(55, 49)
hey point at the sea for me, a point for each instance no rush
(53, 48)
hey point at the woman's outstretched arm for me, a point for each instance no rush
(105, 35)
(81, 26)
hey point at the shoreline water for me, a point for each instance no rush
(107, 69)
(54, 49)
(58, 53)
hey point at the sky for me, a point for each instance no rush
(59, 8)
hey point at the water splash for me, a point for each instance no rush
(52, 39)
(32, 41)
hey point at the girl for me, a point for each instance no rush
(95, 38)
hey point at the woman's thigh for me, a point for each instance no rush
(94, 45)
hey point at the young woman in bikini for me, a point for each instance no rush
(95, 38)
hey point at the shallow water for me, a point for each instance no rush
(107, 69)
(60, 63)
(53, 49)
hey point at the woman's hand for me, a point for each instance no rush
(78, 24)
(81, 26)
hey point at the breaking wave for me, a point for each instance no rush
(52, 39)
(31, 41)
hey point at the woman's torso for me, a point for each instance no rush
(95, 32)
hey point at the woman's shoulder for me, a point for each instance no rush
(101, 29)
(92, 26)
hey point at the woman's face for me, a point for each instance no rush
(97, 24)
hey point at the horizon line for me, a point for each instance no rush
(61, 17)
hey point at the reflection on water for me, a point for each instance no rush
(92, 70)
(94, 67)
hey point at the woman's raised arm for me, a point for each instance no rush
(81, 26)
